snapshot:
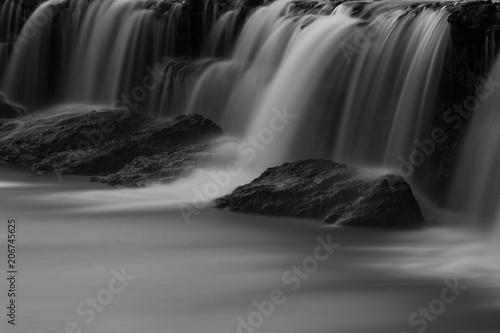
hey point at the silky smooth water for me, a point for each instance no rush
(476, 187)
(11, 20)
(203, 276)
(357, 86)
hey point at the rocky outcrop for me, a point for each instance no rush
(329, 191)
(474, 30)
(159, 168)
(105, 142)
(35, 139)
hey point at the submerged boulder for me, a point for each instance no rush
(329, 191)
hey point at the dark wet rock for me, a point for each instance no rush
(103, 143)
(8, 111)
(35, 139)
(111, 156)
(474, 39)
(104, 159)
(329, 191)
(160, 168)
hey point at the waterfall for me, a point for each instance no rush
(362, 89)
(116, 42)
(476, 183)
(103, 52)
(11, 20)
(475, 188)
(356, 82)
(223, 35)
(360, 78)
(32, 67)
(225, 92)
(99, 51)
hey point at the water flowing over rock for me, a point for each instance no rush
(12, 17)
(381, 65)
(466, 77)
(96, 52)
(360, 82)
(475, 187)
(330, 191)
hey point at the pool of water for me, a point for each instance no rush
(74, 237)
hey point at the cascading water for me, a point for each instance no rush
(97, 52)
(31, 68)
(354, 82)
(226, 91)
(331, 71)
(474, 195)
(223, 35)
(11, 20)
(106, 58)
(476, 186)
(359, 78)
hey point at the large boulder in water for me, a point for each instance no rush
(329, 191)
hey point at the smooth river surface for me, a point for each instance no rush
(200, 277)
